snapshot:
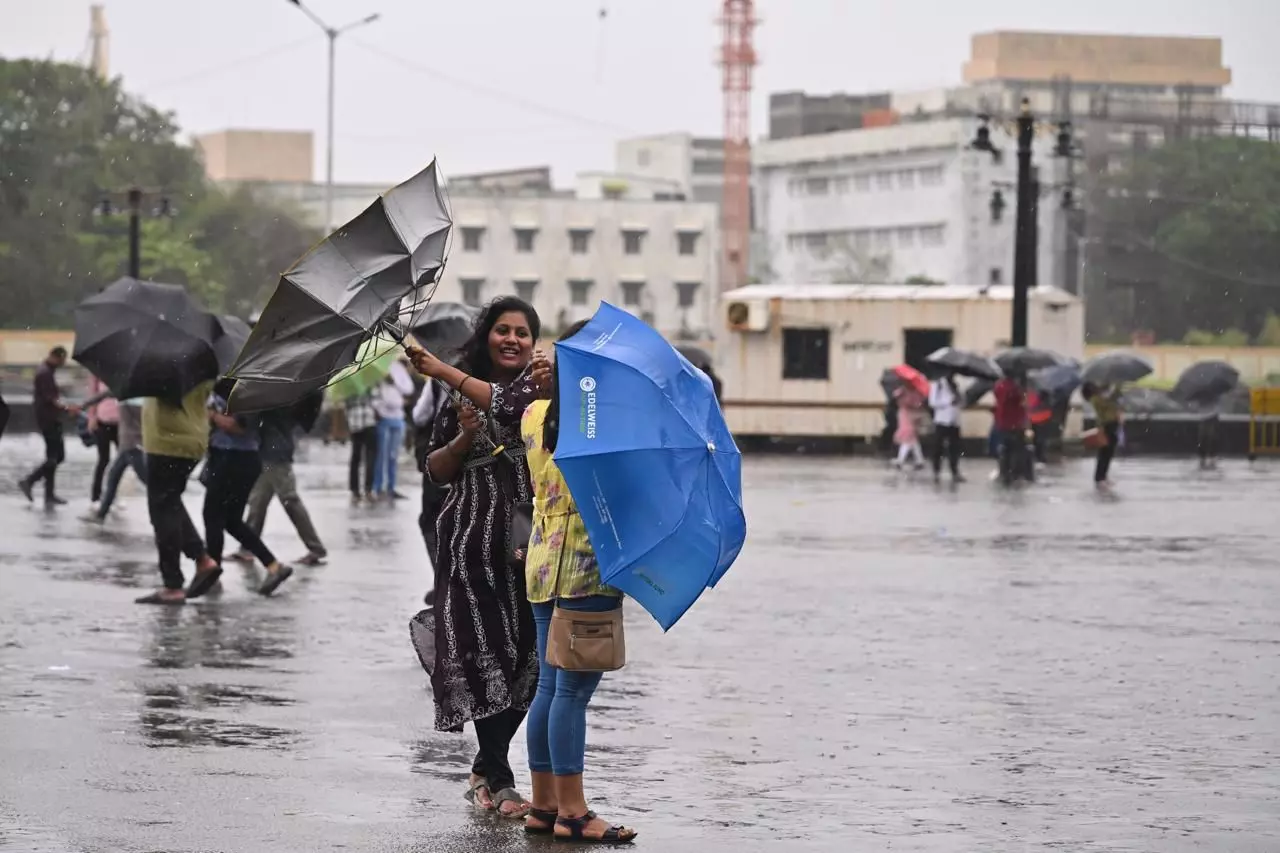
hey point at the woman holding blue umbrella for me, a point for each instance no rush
(560, 570)
(485, 666)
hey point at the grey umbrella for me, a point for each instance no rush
(1114, 367)
(965, 363)
(228, 345)
(1205, 382)
(345, 291)
(1026, 359)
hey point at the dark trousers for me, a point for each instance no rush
(105, 436)
(229, 478)
(175, 534)
(946, 438)
(1106, 454)
(432, 500)
(1013, 456)
(54, 453)
(1207, 441)
(4, 415)
(495, 734)
(364, 447)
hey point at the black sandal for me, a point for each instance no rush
(274, 579)
(547, 817)
(577, 827)
(203, 582)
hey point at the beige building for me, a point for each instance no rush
(1137, 65)
(236, 156)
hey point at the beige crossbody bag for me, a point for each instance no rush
(580, 641)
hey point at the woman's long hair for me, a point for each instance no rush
(474, 354)
(551, 424)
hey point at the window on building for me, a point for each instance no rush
(841, 185)
(471, 239)
(996, 276)
(632, 242)
(818, 244)
(687, 292)
(643, 157)
(632, 291)
(931, 176)
(884, 238)
(579, 291)
(817, 186)
(862, 239)
(884, 180)
(906, 237)
(906, 179)
(795, 242)
(525, 238)
(472, 291)
(579, 241)
(687, 242)
(806, 354)
(932, 235)
(862, 183)
(795, 186)
(526, 288)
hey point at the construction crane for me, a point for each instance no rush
(737, 62)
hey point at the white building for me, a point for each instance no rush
(892, 203)
(691, 164)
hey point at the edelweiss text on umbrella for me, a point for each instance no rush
(588, 425)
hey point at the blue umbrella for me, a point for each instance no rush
(650, 462)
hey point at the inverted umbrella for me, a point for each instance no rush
(227, 347)
(965, 363)
(650, 462)
(1027, 359)
(913, 378)
(442, 327)
(1205, 382)
(345, 291)
(146, 339)
(1114, 367)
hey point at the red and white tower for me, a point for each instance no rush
(737, 60)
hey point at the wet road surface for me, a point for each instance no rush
(890, 666)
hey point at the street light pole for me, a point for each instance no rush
(332, 34)
(135, 234)
(1024, 245)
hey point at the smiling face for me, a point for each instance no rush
(511, 342)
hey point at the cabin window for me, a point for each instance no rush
(806, 354)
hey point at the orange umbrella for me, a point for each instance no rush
(912, 377)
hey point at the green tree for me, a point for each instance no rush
(1199, 220)
(67, 139)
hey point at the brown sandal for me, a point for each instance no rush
(577, 827)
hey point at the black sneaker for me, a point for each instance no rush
(25, 488)
(54, 500)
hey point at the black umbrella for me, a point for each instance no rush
(442, 327)
(345, 291)
(235, 332)
(1115, 367)
(964, 363)
(1205, 382)
(1027, 359)
(1058, 381)
(697, 356)
(976, 391)
(890, 382)
(145, 339)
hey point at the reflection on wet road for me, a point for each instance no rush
(891, 665)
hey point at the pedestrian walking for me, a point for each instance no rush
(129, 455)
(431, 401)
(1108, 417)
(560, 572)
(49, 411)
(175, 437)
(1011, 426)
(230, 473)
(1207, 440)
(389, 404)
(362, 429)
(104, 426)
(910, 412)
(944, 400)
(486, 665)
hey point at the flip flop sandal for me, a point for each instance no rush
(547, 817)
(203, 582)
(274, 579)
(511, 795)
(310, 560)
(577, 827)
(472, 796)
(157, 598)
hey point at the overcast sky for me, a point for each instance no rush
(490, 84)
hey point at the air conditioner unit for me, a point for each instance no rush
(748, 316)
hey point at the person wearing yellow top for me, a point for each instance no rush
(1109, 417)
(175, 437)
(560, 565)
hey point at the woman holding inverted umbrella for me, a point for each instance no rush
(485, 669)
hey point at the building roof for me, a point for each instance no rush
(911, 136)
(893, 293)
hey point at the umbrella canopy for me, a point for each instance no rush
(964, 363)
(1058, 381)
(342, 293)
(373, 365)
(442, 327)
(1205, 382)
(912, 378)
(228, 345)
(146, 339)
(890, 382)
(1027, 359)
(1115, 367)
(977, 390)
(651, 464)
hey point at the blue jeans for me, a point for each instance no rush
(132, 458)
(390, 440)
(557, 724)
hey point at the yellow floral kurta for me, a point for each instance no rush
(560, 562)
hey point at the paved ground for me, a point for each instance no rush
(891, 666)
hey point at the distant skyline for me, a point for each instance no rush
(501, 84)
